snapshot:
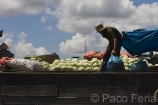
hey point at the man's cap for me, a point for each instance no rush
(99, 27)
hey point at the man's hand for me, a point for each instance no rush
(113, 52)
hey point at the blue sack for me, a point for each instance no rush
(139, 66)
(115, 64)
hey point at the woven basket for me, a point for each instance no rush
(49, 57)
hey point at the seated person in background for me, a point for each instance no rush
(4, 52)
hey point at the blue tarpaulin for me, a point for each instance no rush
(137, 42)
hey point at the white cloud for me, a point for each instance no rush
(40, 51)
(76, 45)
(8, 41)
(76, 16)
(22, 48)
(145, 16)
(44, 19)
(7, 38)
(81, 16)
(49, 28)
(9, 8)
(102, 45)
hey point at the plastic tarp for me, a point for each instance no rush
(137, 42)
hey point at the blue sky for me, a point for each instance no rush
(37, 27)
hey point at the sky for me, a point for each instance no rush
(38, 27)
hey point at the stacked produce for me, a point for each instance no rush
(99, 55)
(69, 64)
(128, 61)
(76, 65)
(93, 54)
(38, 59)
(3, 62)
(128, 54)
(25, 64)
(91, 62)
(34, 57)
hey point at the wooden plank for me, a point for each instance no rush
(27, 99)
(75, 88)
(67, 91)
(90, 90)
(0, 99)
(79, 73)
(24, 90)
(47, 90)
